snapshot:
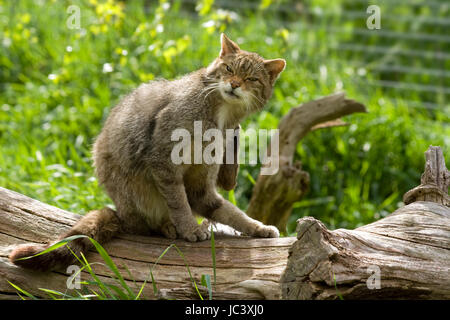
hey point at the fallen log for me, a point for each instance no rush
(405, 255)
(245, 268)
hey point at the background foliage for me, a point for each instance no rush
(57, 85)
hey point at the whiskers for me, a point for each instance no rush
(211, 87)
(253, 102)
(248, 100)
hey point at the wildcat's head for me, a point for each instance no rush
(243, 78)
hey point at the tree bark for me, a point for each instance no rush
(273, 195)
(246, 268)
(405, 255)
(434, 181)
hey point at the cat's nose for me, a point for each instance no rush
(235, 84)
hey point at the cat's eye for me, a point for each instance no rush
(229, 69)
(252, 79)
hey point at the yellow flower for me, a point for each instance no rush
(16, 37)
(168, 54)
(67, 59)
(144, 77)
(284, 33)
(26, 33)
(183, 43)
(94, 29)
(123, 61)
(109, 10)
(25, 18)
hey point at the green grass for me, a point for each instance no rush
(55, 97)
(95, 288)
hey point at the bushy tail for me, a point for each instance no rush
(100, 225)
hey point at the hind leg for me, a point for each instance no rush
(131, 221)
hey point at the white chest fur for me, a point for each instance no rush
(223, 116)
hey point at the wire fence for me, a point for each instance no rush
(408, 57)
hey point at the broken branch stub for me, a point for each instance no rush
(434, 181)
(274, 195)
(402, 256)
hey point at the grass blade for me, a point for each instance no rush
(189, 271)
(29, 295)
(113, 267)
(155, 289)
(213, 254)
(231, 197)
(132, 278)
(337, 291)
(51, 293)
(250, 178)
(99, 283)
(156, 262)
(57, 245)
(206, 282)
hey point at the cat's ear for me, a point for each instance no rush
(274, 67)
(227, 46)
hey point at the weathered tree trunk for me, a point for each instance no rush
(405, 255)
(273, 195)
(246, 268)
(434, 182)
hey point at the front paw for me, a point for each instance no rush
(199, 233)
(168, 230)
(264, 231)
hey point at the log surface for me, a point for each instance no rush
(405, 255)
(246, 268)
(409, 249)
(435, 180)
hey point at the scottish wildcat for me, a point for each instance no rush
(133, 164)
